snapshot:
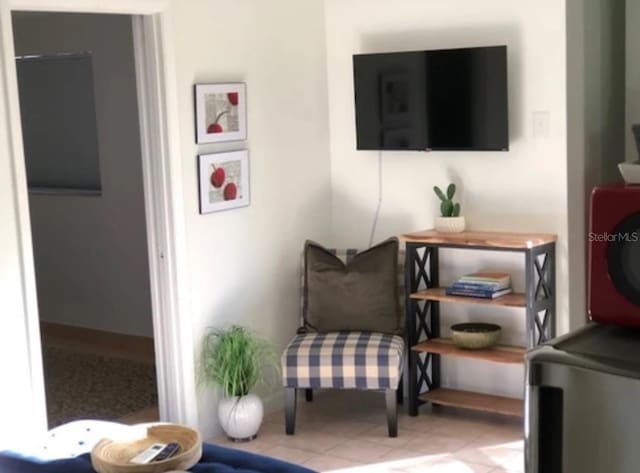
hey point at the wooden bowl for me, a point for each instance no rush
(109, 456)
(475, 336)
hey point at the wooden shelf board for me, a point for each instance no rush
(514, 299)
(498, 353)
(487, 240)
(476, 401)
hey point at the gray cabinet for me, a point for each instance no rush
(583, 403)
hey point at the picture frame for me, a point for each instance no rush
(221, 112)
(223, 181)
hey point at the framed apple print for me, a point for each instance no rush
(223, 181)
(221, 112)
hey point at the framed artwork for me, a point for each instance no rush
(221, 112)
(223, 181)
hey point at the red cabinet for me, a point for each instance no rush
(614, 255)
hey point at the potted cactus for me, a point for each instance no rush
(450, 220)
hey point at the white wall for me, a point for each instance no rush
(595, 123)
(244, 262)
(633, 76)
(91, 252)
(521, 190)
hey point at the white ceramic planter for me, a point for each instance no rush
(449, 224)
(241, 417)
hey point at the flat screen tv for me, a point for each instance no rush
(448, 99)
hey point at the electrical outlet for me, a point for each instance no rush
(541, 124)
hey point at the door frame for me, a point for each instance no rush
(165, 219)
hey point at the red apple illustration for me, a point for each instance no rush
(230, 191)
(215, 127)
(217, 177)
(233, 98)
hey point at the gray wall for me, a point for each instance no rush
(90, 251)
(595, 123)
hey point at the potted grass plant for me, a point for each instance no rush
(235, 360)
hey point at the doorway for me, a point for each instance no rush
(23, 411)
(81, 136)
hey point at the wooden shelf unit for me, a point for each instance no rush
(439, 294)
(423, 312)
(480, 402)
(498, 353)
(485, 240)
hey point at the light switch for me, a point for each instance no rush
(541, 124)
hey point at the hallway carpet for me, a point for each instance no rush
(83, 385)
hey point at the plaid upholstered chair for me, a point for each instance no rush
(345, 359)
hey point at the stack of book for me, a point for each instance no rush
(485, 285)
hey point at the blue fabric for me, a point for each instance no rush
(343, 360)
(215, 459)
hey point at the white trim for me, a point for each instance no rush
(31, 334)
(175, 364)
(125, 7)
(163, 201)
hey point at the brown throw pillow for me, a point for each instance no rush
(359, 295)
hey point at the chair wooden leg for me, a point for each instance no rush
(308, 394)
(400, 391)
(290, 395)
(392, 411)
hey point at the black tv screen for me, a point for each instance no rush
(449, 99)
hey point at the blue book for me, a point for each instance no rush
(477, 293)
(481, 286)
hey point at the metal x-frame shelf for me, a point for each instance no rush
(423, 316)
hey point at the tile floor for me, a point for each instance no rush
(346, 431)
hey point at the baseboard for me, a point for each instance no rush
(97, 341)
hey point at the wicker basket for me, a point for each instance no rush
(109, 456)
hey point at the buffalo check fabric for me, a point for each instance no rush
(343, 360)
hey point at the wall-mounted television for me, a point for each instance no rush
(448, 99)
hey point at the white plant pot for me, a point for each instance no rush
(241, 417)
(450, 224)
